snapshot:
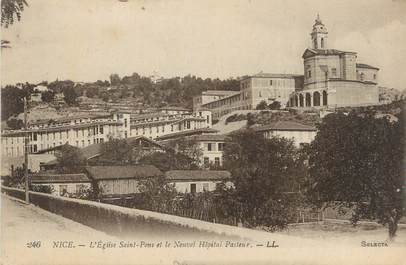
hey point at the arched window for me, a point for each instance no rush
(316, 98)
(296, 101)
(301, 100)
(324, 98)
(308, 100)
(322, 43)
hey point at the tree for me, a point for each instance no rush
(356, 162)
(91, 92)
(117, 152)
(262, 105)
(70, 160)
(275, 105)
(262, 171)
(11, 9)
(70, 96)
(168, 161)
(47, 96)
(156, 194)
(15, 124)
(250, 119)
(188, 153)
(43, 188)
(115, 80)
(12, 100)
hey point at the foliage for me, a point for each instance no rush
(117, 152)
(356, 161)
(15, 124)
(263, 170)
(43, 188)
(86, 194)
(236, 117)
(250, 119)
(274, 105)
(155, 194)
(5, 44)
(47, 96)
(262, 105)
(12, 99)
(168, 161)
(70, 96)
(115, 79)
(11, 9)
(70, 160)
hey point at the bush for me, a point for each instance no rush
(43, 188)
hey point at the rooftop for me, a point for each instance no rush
(47, 177)
(175, 108)
(219, 92)
(195, 175)
(312, 52)
(362, 65)
(187, 133)
(210, 137)
(269, 75)
(123, 172)
(286, 126)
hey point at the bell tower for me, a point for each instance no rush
(319, 34)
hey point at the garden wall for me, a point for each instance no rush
(127, 223)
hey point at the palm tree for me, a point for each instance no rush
(11, 9)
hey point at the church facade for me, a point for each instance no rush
(333, 78)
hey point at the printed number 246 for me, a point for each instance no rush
(34, 244)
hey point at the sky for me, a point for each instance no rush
(88, 40)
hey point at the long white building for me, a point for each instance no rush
(84, 130)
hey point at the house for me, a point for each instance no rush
(34, 162)
(212, 147)
(299, 133)
(193, 181)
(40, 88)
(118, 181)
(35, 97)
(71, 185)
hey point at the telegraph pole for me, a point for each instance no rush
(27, 196)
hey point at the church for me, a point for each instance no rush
(333, 78)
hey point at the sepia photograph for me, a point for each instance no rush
(203, 132)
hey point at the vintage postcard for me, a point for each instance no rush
(203, 132)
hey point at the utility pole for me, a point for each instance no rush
(27, 196)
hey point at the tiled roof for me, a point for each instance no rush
(209, 137)
(197, 175)
(58, 147)
(269, 75)
(325, 52)
(219, 92)
(362, 65)
(123, 172)
(148, 115)
(175, 108)
(73, 117)
(45, 177)
(94, 150)
(187, 133)
(286, 126)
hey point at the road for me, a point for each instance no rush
(21, 224)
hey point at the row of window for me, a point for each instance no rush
(206, 161)
(212, 146)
